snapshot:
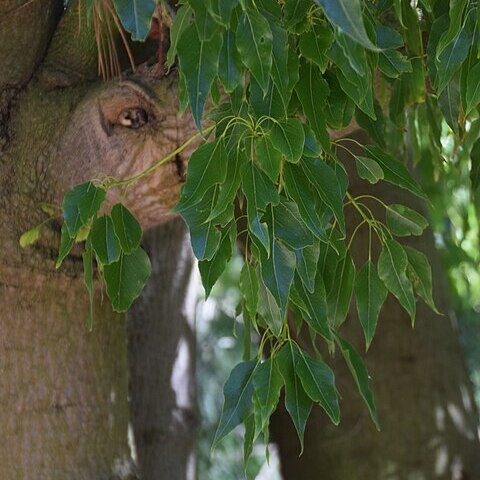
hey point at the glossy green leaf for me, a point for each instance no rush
(248, 438)
(204, 22)
(80, 204)
(314, 44)
(295, 11)
(210, 270)
(259, 192)
(307, 260)
(88, 279)
(230, 65)
(136, 16)
(392, 266)
(368, 169)
(420, 274)
(311, 147)
(451, 59)
(288, 225)
(403, 221)
(347, 16)
(360, 375)
(237, 404)
(288, 137)
(326, 183)
(181, 22)
(394, 171)
(249, 288)
(255, 42)
(269, 158)
(472, 94)
(269, 310)
(199, 65)
(277, 272)
(105, 242)
(449, 102)
(456, 10)
(268, 382)
(393, 64)
(66, 244)
(280, 67)
(297, 402)
(312, 91)
(370, 294)
(126, 278)
(300, 190)
(318, 381)
(127, 228)
(338, 299)
(316, 305)
(207, 166)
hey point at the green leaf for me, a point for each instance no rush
(394, 171)
(269, 310)
(475, 166)
(237, 404)
(205, 24)
(277, 272)
(316, 305)
(207, 166)
(457, 7)
(449, 101)
(368, 169)
(30, 237)
(288, 225)
(472, 94)
(311, 148)
(392, 63)
(288, 137)
(403, 221)
(299, 189)
(315, 43)
(136, 16)
(80, 204)
(126, 278)
(370, 294)
(248, 438)
(295, 11)
(339, 106)
(127, 228)
(312, 91)
(338, 299)
(230, 65)
(259, 192)
(392, 266)
(88, 279)
(347, 16)
(269, 158)
(297, 402)
(229, 188)
(420, 274)
(255, 42)
(360, 375)
(199, 65)
(204, 235)
(105, 242)
(66, 244)
(210, 270)
(181, 22)
(307, 260)
(326, 183)
(249, 288)
(268, 383)
(318, 381)
(280, 67)
(451, 59)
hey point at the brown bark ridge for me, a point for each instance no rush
(423, 394)
(64, 391)
(162, 359)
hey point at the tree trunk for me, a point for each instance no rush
(422, 391)
(162, 359)
(64, 391)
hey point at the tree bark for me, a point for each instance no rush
(162, 359)
(422, 390)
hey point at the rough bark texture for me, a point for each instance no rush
(64, 407)
(422, 390)
(162, 360)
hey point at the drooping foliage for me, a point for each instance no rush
(271, 85)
